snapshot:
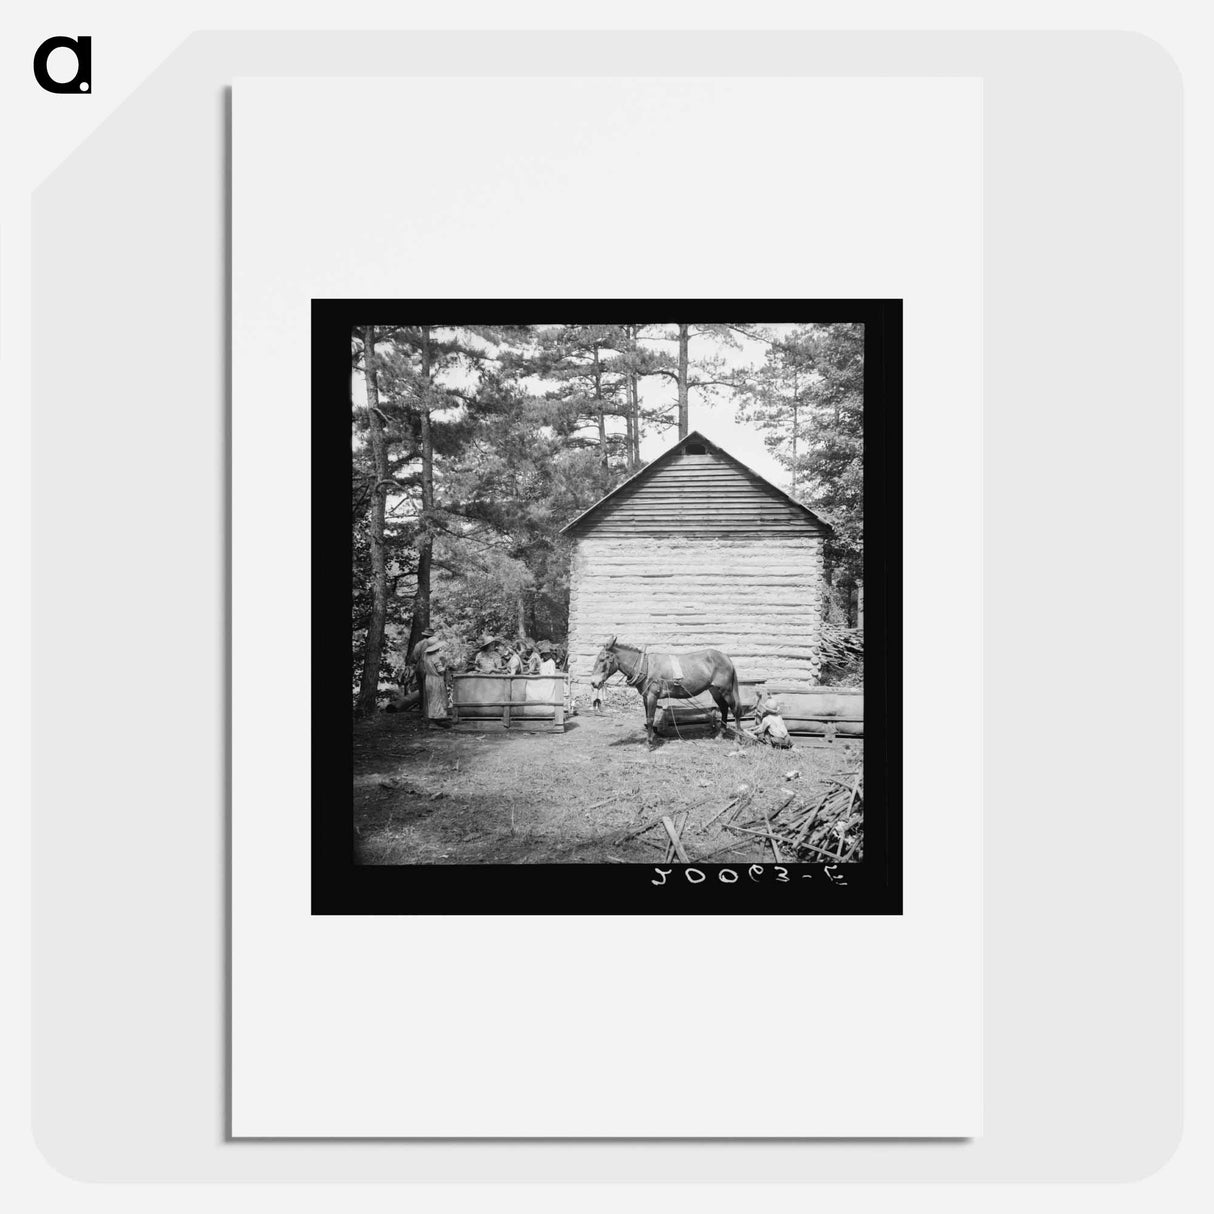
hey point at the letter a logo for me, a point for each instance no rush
(82, 81)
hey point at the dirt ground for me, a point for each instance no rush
(512, 797)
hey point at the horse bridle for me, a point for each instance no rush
(642, 673)
(633, 681)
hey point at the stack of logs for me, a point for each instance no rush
(827, 830)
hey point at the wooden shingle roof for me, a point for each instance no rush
(697, 486)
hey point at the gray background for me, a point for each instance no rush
(1081, 616)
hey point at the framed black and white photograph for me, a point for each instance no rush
(605, 570)
(624, 620)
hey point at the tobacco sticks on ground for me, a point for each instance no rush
(742, 803)
(674, 838)
(720, 814)
(746, 830)
(854, 789)
(670, 845)
(598, 805)
(640, 830)
(732, 845)
(786, 801)
(775, 850)
(830, 858)
(670, 852)
(804, 831)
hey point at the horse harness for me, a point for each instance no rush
(643, 675)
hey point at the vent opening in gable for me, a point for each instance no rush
(696, 449)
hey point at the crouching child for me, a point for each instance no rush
(770, 727)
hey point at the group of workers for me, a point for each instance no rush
(524, 656)
(493, 656)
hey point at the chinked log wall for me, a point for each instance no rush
(756, 598)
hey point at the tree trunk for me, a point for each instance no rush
(628, 427)
(630, 384)
(421, 619)
(683, 340)
(373, 653)
(634, 404)
(598, 396)
(795, 389)
(634, 423)
(425, 547)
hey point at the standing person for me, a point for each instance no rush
(435, 696)
(547, 658)
(416, 654)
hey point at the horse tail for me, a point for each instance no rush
(735, 693)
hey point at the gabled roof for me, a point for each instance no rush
(589, 516)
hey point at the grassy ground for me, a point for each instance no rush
(436, 797)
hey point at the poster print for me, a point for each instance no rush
(625, 607)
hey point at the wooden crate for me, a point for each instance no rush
(535, 702)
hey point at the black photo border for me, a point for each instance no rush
(342, 887)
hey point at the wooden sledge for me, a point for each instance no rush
(820, 711)
(535, 702)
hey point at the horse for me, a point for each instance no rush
(662, 675)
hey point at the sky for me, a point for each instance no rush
(714, 416)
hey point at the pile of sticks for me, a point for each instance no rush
(672, 844)
(839, 646)
(827, 830)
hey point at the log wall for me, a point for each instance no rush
(757, 598)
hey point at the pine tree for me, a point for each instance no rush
(591, 384)
(808, 399)
(702, 375)
(418, 415)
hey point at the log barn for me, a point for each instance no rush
(697, 551)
